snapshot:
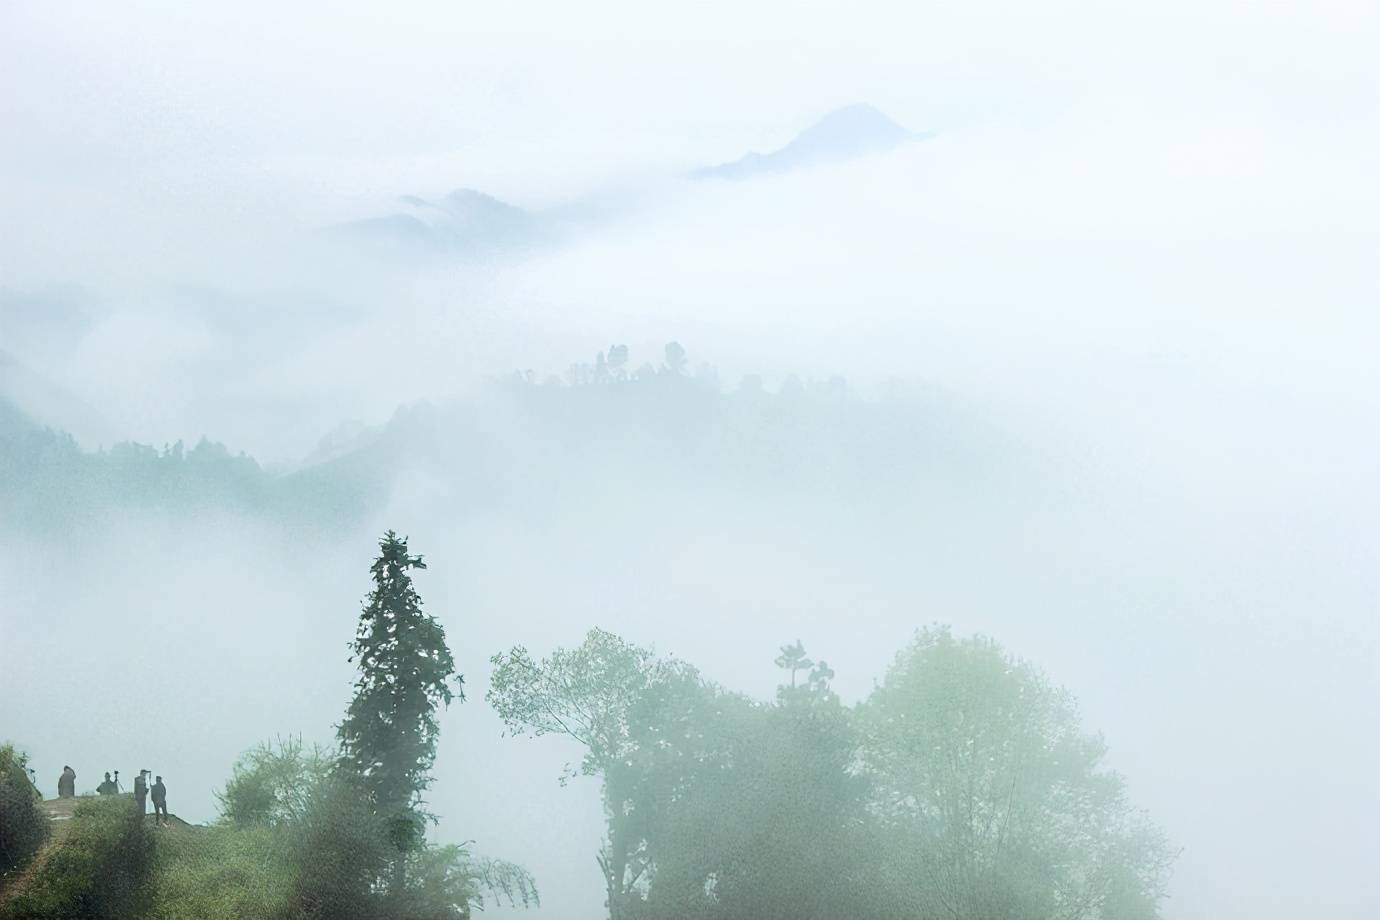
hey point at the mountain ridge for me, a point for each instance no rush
(842, 134)
(471, 223)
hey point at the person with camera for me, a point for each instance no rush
(141, 792)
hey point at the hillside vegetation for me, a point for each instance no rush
(962, 788)
(523, 441)
(23, 826)
(96, 868)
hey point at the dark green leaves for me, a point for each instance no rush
(388, 737)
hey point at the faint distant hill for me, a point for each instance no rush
(540, 448)
(469, 223)
(843, 134)
(464, 223)
(31, 395)
(43, 322)
(15, 423)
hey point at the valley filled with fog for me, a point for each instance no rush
(1064, 354)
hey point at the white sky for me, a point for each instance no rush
(160, 106)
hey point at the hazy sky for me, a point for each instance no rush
(1143, 237)
(130, 122)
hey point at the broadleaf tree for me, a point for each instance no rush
(631, 710)
(993, 800)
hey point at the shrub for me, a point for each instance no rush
(95, 872)
(23, 826)
(274, 784)
(999, 800)
(221, 873)
(448, 883)
(344, 851)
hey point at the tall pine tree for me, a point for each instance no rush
(388, 737)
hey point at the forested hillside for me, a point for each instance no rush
(525, 439)
(963, 787)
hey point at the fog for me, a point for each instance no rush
(1107, 332)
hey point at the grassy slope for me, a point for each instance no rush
(101, 861)
(20, 877)
(210, 873)
(94, 865)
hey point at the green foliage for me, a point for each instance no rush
(222, 873)
(994, 797)
(771, 824)
(793, 659)
(447, 883)
(273, 784)
(23, 826)
(344, 851)
(318, 829)
(631, 711)
(95, 871)
(388, 736)
(365, 832)
(964, 789)
(305, 834)
(52, 482)
(589, 693)
(717, 807)
(505, 882)
(665, 430)
(54, 486)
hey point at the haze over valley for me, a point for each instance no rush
(748, 327)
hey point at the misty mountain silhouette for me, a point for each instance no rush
(468, 222)
(31, 397)
(843, 134)
(465, 222)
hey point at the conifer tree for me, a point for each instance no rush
(388, 737)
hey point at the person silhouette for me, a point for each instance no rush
(159, 793)
(141, 792)
(67, 783)
(107, 787)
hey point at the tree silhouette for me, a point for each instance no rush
(792, 658)
(820, 676)
(388, 737)
(676, 358)
(618, 361)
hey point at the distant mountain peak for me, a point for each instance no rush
(843, 134)
(854, 124)
(472, 202)
(473, 196)
(464, 221)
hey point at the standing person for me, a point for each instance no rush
(107, 787)
(67, 783)
(160, 801)
(141, 792)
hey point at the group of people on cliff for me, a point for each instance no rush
(67, 788)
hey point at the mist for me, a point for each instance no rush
(1086, 365)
